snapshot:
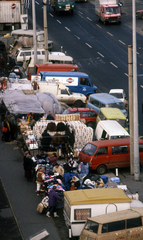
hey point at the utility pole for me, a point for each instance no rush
(34, 32)
(135, 99)
(131, 126)
(45, 30)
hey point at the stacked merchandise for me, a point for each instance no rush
(82, 133)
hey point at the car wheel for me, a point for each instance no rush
(90, 124)
(78, 103)
(101, 169)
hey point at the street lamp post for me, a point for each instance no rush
(135, 99)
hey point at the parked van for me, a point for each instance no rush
(108, 154)
(126, 224)
(60, 67)
(76, 81)
(79, 205)
(110, 129)
(112, 114)
(27, 34)
(28, 55)
(96, 101)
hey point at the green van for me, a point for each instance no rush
(113, 114)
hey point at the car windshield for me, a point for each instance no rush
(89, 149)
(111, 10)
(66, 111)
(119, 105)
(117, 95)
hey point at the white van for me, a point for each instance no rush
(110, 129)
(55, 57)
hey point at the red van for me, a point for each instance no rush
(108, 154)
(88, 114)
(59, 67)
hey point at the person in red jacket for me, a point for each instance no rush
(53, 196)
(53, 158)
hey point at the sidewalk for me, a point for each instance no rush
(19, 201)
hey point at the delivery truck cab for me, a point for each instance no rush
(78, 82)
(79, 205)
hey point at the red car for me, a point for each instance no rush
(88, 114)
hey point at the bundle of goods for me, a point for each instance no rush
(78, 134)
(67, 117)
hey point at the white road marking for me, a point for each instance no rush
(110, 34)
(51, 14)
(122, 42)
(113, 65)
(126, 74)
(100, 54)
(77, 37)
(80, 12)
(98, 25)
(88, 45)
(37, 3)
(67, 29)
(58, 21)
(89, 19)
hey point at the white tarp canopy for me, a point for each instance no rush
(49, 103)
(17, 101)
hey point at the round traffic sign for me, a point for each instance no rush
(13, 6)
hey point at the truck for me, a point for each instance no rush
(79, 205)
(51, 67)
(61, 92)
(62, 5)
(78, 82)
(10, 14)
(108, 11)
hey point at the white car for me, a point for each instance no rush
(120, 93)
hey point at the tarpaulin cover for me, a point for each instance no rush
(93, 196)
(17, 101)
(49, 103)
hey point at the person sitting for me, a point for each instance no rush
(58, 169)
(74, 183)
(53, 159)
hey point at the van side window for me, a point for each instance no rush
(92, 226)
(102, 150)
(113, 226)
(83, 81)
(134, 222)
(140, 147)
(92, 101)
(119, 149)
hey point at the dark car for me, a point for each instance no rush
(139, 14)
(85, 113)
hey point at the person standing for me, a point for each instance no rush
(53, 196)
(50, 117)
(28, 166)
(53, 159)
(40, 180)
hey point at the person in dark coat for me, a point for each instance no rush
(28, 166)
(46, 140)
(53, 196)
(50, 117)
(6, 135)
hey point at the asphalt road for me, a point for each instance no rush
(100, 51)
